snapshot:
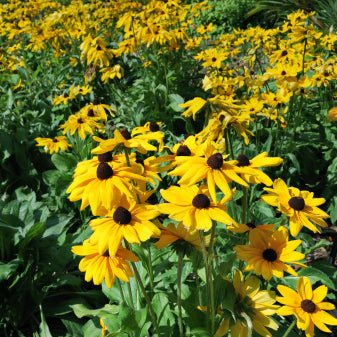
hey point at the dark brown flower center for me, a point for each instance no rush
(284, 53)
(283, 73)
(221, 118)
(105, 157)
(269, 254)
(308, 306)
(65, 95)
(154, 127)
(126, 134)
(91, 113)
(201, 201)
(251, 224)
(104, 171)
(297, 203)
(55, 140)
(213, 59)
(122, 216)
(98, 48)
(183, 150)
(242, 160)
(215, 161)
(80, 120)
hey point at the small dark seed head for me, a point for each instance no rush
(222, 118)
(284, 53)
(213, 59)
(269, 255)
(215, 161)
(55, 140)
(308, 306)
(126, 134)
(80, 120)
(95, 101)
(104, 171)
(154, 127)
(105, 157)
(98, 48)
(251, 224)
(251, 109)
(139, 161)
(201, 201)
(297, 203)
(242, 160)
(91, 113)
(122, 216)
(283, 73)
(252, 72)
(326, 74)
(183, 150)
(65, 95)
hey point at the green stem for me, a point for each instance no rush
(120, 289)
(204, 254)
(289, 329)
(210, 274)
(245, 205)
(130, 296)
(126, 152)
(150, 264)
(179, 270)
(229, 144)
(147, 299)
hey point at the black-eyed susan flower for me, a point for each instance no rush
(212, 167)
(82, 124)
(251, 304)
(299, 206)
(268, 253)
(193, 106)
(180, 237)
(261, 160)
(53, 144)
(307, 305)
(123, 138)
(103, 184)
(193, 206)
(97, 111)
(111, 73)
(103, 266)
(125, 220)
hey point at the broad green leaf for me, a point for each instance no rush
(63, 161)
(44, 329)
(7, 269)
(81, 310)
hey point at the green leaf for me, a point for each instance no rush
(316, 275)
(64, 161)
(198, 332)
(295, 162)
(160, 303)
(75, 328)
(229, 297)
(91, 330)
(81, 310)
(7, 269)
(44, 329)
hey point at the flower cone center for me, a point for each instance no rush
(122, 216)
(105, 157)
(269, 254)
(308, 306)
(104, 171)
(91, 113)
(297, 203)
(80, 120)
(251, 224)
(54, 140)
(154, 127)
(201, 201)
(183, 150)
(215, 161)
(242, 160)
(126, 134)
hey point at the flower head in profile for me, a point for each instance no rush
(103, 266)
(97, 110)
(193, 106)
(307, 305)
(268, 253)
(180, 238)
(193, 206)
(53, 144)
(251, 305)
(299, 206)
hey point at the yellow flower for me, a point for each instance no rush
(97, 110)
(102, 266)
(111, 73)
(268, 253)
(251, 304)
(125, 220)
(81, 123)
(180, 237)
(332, 114)
(193, 106)
(53, 144)
(103, 183)
(307, 305)
(299, 206)
(192, 206)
